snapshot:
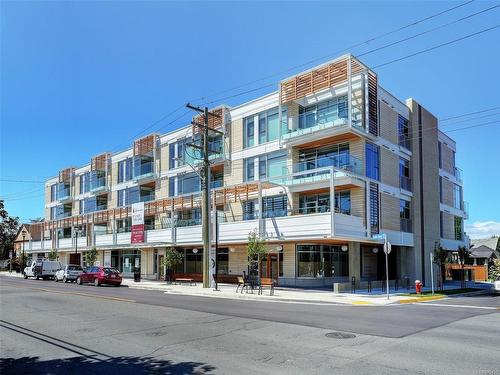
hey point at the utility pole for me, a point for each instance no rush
(205, 189)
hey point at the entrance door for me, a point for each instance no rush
(269, 266)
(74, 258)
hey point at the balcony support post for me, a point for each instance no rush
(262, 221)
(114, 231)
(332, 202)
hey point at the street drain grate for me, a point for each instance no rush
(340, 335)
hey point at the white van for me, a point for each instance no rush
(45, 269)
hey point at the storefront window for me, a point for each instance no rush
(222, 261)
(322, 261)
(194, 261)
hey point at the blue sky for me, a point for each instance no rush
(81, 78)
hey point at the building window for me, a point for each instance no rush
(372, 161)
(457, 196)
(331, 156)
(124, 170)
(272, 165)
(188, 183)
(124, 225)
(374, 208)
(134, 194)
(194, 261)
(404, 174)
(92, 204)
(248, 131)
(405, 215)
(274, 206)
(249, 165)
(458, 228)
(85, 183)
(322, 261)
(53, 192)
(323, 113)
(249, 210)
(404, 132)
(310, 204)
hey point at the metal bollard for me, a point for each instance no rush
(396, 284)
(369, 286)
(353, 284)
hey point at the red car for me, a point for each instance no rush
(100, 275)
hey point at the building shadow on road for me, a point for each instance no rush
(88, 365)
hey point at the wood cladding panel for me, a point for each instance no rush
(100, 162)
(145, 145)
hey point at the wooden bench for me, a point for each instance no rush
(185, 280)
(267, 282)
(241, 283)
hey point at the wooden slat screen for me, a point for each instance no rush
(66, 174)
(214, 122)
(373, 103)
(100, 162)
(145, 145)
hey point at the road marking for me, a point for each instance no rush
(461, 306)
(74, 293)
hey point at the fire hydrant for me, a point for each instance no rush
(418, 286)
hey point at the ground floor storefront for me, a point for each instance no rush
(301, 264)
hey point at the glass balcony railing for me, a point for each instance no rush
(307, 123)
(98, 183)
(63, 194)
(458, 173)
(406, 225)
(143, 170)
(343, 161)
(465, 208)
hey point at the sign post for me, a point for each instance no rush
(137, 234)
(387, 251)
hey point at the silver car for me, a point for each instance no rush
(69, 272)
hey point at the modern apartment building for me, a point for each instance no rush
(320, 168)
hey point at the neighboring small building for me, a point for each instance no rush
(483, 251)
(25, 235)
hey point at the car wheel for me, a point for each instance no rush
(25, 276)
(64, 279)
(118, 284)
(37, 277)
(56, 279)
(79, 281)
(96, 282)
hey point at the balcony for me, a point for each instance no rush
(313, 123)
(97, 182)
(406, 225)
(143, 169)
(465, 209)
(63, 194)
(458, 174)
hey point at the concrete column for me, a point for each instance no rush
(355, 260)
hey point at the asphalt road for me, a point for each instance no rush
(55, 328)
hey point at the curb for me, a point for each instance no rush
(421, 299)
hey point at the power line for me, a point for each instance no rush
(467, 114)
(437, 46)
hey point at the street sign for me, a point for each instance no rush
(387, 247)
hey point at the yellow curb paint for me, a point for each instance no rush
(361, 303)
(421, 299)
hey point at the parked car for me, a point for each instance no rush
(496, 287)
(100, 275)
(40, 268)
(69, 272)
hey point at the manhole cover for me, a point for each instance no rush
(340, 335)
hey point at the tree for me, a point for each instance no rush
(441, 258)
(9, 226)
(494, 271)
(91, 256)
(463, 255)
(256, 250)
(53, 254)
(171, 259)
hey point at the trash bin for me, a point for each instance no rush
(137, 274)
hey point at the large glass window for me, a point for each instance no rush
(248, 131)
(405, 215)
(92, 204)
(372, 161)
(249, 173)
(249, 210)
(274, 206)
(53, 192)
(272, 165)
(84, 183)
(404, 174)
(124, 170)
(135, 194)
(223, 261)
(322, 261)
(194, 261)
(334, 155)
(323, 113)
(457, 196)
(317, 203)
(404, 132)
(188, 183)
